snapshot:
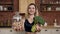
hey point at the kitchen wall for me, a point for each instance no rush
(49, 16)
(19, 5)
(23, 5)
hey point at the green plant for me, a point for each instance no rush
(37, 19)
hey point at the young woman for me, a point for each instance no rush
(29, 21)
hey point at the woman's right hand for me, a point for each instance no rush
(17, 26)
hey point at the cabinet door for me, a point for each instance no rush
(10, 31)
(55, 31)
(46, 31)
(2, 31)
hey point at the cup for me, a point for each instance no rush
(49, 8)
(5, 9)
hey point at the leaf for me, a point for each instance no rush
(39, 19)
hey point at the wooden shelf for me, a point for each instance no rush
(6, 6)
(47, 10)
(7, 11)
(5, 26)
(49, 4)
(6, 3)
(53, 6)
(9, 7)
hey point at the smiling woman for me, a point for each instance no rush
(29, 21)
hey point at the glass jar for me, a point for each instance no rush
(16, 17)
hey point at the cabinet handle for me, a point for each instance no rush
(57, 30)
(45, 30)
(10, 30)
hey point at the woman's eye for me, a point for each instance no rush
(33, 8)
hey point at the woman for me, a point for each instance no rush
(29, 21)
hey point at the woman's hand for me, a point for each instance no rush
(17, 26)
(38, 28)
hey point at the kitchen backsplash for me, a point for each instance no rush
(51, 16)
(6, 18)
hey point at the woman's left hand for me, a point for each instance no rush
(38, 28)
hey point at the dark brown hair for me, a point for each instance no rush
(32, 4)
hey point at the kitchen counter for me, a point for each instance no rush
(50, 27)
(44, 30)
(46, 27)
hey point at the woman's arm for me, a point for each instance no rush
(18, 26)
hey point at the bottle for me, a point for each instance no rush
(45, 24)
(55, 24)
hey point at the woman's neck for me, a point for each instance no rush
(31, 16)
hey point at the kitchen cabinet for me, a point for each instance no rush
(7, 10)
(49, 5)
(49, 31)
(43, 31)
(49, 10)
(10, 31)
(55, 31)
(6, 5)
(3, 31)
(46, 31)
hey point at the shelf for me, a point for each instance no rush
(5, 26)
(50, 4)
(7, 11)
(50, 11)
(6, 3)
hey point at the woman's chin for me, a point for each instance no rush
(31, 14)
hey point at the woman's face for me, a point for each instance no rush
(31, 9)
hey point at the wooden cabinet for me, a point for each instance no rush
(7, 10)
(50, 31)
(46, 31)
(55, 31)
(10, 31)
(49, 5)
(6, 5)
(43, 31)
(9, 5)
(49, 10)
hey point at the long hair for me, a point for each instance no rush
(36, 10)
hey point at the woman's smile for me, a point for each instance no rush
(31, 9)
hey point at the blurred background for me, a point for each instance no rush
(48, 9)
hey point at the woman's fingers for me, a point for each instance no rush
(17, 26)
(38, 28)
